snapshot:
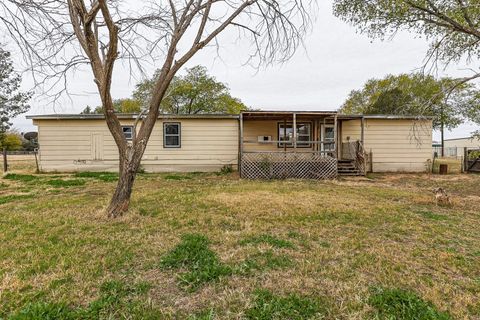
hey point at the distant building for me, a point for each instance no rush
(455, 147)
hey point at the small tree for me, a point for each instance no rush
(59, 35)
(417, 95)
(194, 93)
(12, 100)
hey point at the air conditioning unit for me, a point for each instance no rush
(264, 139)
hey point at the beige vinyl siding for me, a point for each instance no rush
(397, 145)
(80, 145)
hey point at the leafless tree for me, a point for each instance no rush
(57, 36)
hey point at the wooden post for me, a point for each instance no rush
(5, 163)
(363, 131)
(36, 160)
(335, 142)
(285, 135)
(294, 132)
(371, 160)
(240, 144)
(465, 159)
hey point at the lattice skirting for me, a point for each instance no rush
(288, 165)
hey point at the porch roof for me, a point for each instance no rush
(280, 115)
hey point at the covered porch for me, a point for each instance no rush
(303, 145)
(279, 145)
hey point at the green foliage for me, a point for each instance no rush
(416, 95)
(102, 176)
(399, 304)
(194, 93)
(203, 315)
(11, 141)
(451, 26)
(59, 183)
(45, 311)
(194, 255)
(226, 169)
(268, 239)
(20, 177)
(266, 305)
(125, 105)
(177, 177)
(12, 101)
(14, 197)
(115, 300)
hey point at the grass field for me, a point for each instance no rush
(208, 246)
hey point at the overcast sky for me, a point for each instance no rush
(336, 60)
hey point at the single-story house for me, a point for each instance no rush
(260, 144)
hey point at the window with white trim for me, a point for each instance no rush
(304, 134)
(171, 135)
(128, 132)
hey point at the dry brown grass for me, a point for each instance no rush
(348, 235)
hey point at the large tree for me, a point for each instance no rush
(447, 102)
(195, 92)
(13, 101)
(451, 26)
(57, 36)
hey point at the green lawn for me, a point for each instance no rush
(208, 246)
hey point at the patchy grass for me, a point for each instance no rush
(267, 305)
(60, 183)
(178, 177)
(264, 261)
(20, 177)
(57, 247)
(116, 300)
(102, 176)
(267, 239)
(405, 305)
(201, 263)
(15, 197)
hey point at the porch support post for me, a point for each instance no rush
(240, 145)
(362, 136)
(335, 138)
(285, 135)
(294, 132)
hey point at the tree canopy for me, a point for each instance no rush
(417, 95)
(196, 92)
(193, 93)
(12, 100)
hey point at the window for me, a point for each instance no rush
(304, 134)
(128, 132)
(171, 135)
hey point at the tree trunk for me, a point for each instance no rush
(128, 168)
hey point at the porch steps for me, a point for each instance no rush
(346, 167)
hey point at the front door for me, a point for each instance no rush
(328, 137)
